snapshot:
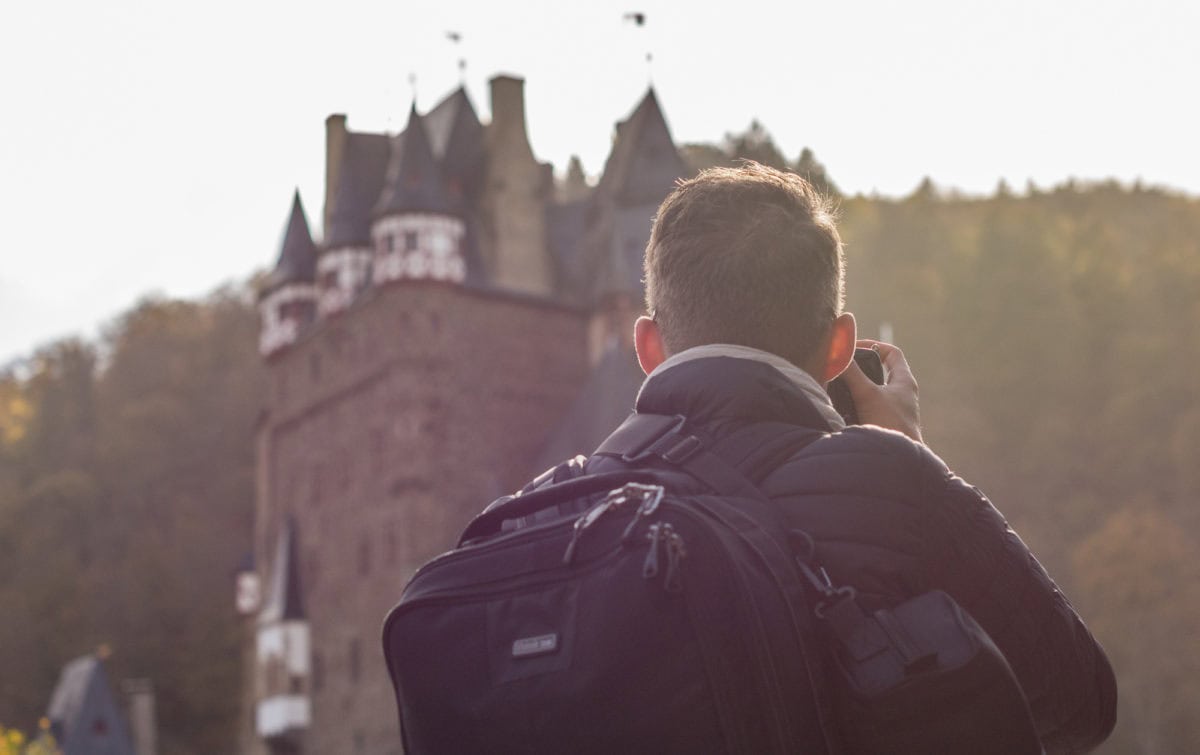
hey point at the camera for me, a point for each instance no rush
(868, 360)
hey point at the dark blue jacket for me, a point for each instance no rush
(891, 519)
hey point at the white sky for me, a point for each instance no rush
(152, 146)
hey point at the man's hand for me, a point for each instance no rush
(892, 405)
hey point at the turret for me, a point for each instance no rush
(456, 137)
(641, 170)
(418, 233)
(283, 657)
(354, 183)
(288, 298)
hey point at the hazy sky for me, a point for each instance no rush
(153, 146)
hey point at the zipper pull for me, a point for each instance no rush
(650, 565)
(676, 552)
(652, 495)
(614, 500)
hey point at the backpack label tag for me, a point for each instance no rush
(528, 647)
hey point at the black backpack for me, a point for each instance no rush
(659, 608)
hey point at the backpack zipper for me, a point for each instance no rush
(676, 552)
(650, 496)
(650, 565)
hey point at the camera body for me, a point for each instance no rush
(868, 360)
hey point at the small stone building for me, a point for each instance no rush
(463, 321)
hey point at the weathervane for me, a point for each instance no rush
(639, 20)
(456, 39)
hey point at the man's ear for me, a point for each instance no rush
(648, 341)
(842, 336)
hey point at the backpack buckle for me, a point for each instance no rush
(643, 436)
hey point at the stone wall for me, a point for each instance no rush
(387, 430)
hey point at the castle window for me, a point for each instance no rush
(410, 241)
(441, 245)
(389, 243)
(318, 671)
(329, 279)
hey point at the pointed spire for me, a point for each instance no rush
(414, 182)
(644, 162)
(285, 602)
(297, 254)
(640, 171)
(654, 161)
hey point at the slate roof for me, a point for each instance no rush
(604, 401)
(460, 150)
(360, 182)
(285, 600)
(639, 173)
(414, 179)
(644, 161)
(83, 713)
(297, 261)
(453, 124)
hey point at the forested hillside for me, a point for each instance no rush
(1053, 334)
(1054, 339)
(126, 490)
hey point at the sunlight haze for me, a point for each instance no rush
(154, 147)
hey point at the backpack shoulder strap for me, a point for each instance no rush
(758, 448)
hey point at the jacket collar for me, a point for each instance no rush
(719, 382)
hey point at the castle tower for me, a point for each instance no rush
(354, 176)
(516, 189)
(418, 232)
(639, 173)
(287, 300)
(386, 428)
(283, 657)
(456, 138)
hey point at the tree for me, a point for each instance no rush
(1141, 588)
(125, 504)
(815, 173)
(700, 157)
(755, 144)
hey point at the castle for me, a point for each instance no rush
(464, 322)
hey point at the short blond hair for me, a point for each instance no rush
(747, 255)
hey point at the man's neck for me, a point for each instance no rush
(803, 380)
